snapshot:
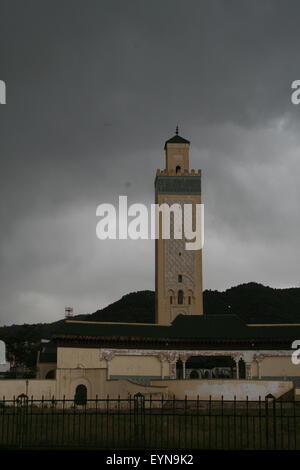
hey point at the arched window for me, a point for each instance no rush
(171, 296)
(80, 395)
(178, 169)
(180, 297)
(179, 277)
(190, 297)
(194, 374)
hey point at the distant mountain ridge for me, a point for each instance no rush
(256, 303)
(252, 302)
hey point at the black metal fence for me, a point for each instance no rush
(138, 422)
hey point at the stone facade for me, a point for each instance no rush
(178, 271)
(114, 372)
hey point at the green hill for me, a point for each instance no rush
(253, 303)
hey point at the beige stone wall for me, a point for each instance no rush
(79, 358)
(241, 389)
(279, 366)
(125, 388)
(95, 368)
(37, 388)
(87, 366)
(123, 365)
(136, 365)
(67, 380)
(148, 363)
(97, 384)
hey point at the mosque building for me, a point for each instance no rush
(185, 352)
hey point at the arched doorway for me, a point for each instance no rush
(242, 369)
(194, 374)
(50, 374)
(80, 397)
(179, 369)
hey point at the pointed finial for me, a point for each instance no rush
(177, 130)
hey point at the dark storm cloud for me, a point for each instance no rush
(93, 90)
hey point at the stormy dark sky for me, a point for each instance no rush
(94, 88)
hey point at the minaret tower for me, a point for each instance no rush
(178, 272)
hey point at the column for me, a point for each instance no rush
(172, 358)
(258, 359)
(173, 369)
(184, 358)
(107, 356)
(258, 369)
(163, 359)
(183, 368)
(248, 370)
(237, 368)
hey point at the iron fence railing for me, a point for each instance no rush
(141, 422)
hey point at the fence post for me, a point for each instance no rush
(267, 423)
(209, 422)
(271, 413)
(247, 422)
(234, 422)
(222, 422)
(260, 422)
(22, 404)
(274, 424)
(139, 419)
(295, 425)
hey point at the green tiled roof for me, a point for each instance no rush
(177, 139)
(191, 326)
